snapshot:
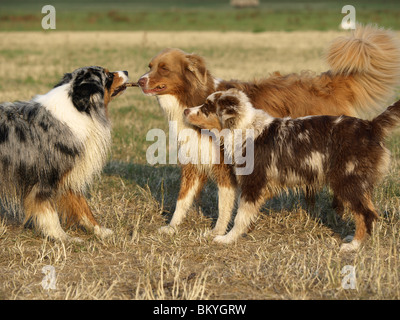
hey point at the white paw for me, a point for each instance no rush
(350, 247)
(167, 230)
(223, 239)
(63, 237)
(102, 232)
(213, 232)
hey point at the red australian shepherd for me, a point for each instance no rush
(364, 71)
(346, 153)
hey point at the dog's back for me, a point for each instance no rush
(35, 149)
(310, 152)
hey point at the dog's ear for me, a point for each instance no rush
(228, 102)
(66, 79)
(226, 110)
(197, 66)
(87, 92)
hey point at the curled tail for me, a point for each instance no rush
(388, 120)
(369, 62)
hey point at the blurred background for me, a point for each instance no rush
(178, 15)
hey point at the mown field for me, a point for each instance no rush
(291, 253)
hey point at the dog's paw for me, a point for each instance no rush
(167, 230)
(213, 232)
(102, 232)
(350, 247)
(64, 238)
(223, 239)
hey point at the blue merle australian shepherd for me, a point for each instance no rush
(345, 153)
(52, 146)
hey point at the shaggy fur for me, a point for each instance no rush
(52, 146)
(364, 71)
(345, 153)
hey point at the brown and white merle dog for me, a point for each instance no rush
(345, 153)
(52, 146)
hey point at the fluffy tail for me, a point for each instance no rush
(388, 120)
(369, 62)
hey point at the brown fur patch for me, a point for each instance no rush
(188, 176)
(74, 209)
(108, 92)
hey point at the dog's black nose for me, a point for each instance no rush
(186, 112)
(126, 72)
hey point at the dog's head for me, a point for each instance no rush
(171, 70)
(94, 87)
(222, 109)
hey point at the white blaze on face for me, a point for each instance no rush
(122, 75)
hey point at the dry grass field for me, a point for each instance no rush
(291, 253)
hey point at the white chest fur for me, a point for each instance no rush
(193, 147)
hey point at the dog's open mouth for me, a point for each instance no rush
(156, 89)
(119, 90)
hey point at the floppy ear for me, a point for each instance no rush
(228, 101)
(66, 79)
(197, 66)
(225, 107)
(87, 95)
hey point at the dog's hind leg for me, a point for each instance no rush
(364, 216)
(74, 209)
(44, 216)
(338, 206)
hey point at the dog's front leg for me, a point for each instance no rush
(192, 182)
(246, 214)
(227, 193)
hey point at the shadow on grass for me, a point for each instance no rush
(163, 181)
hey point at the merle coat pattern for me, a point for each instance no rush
(52, 146)
(345, 153)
